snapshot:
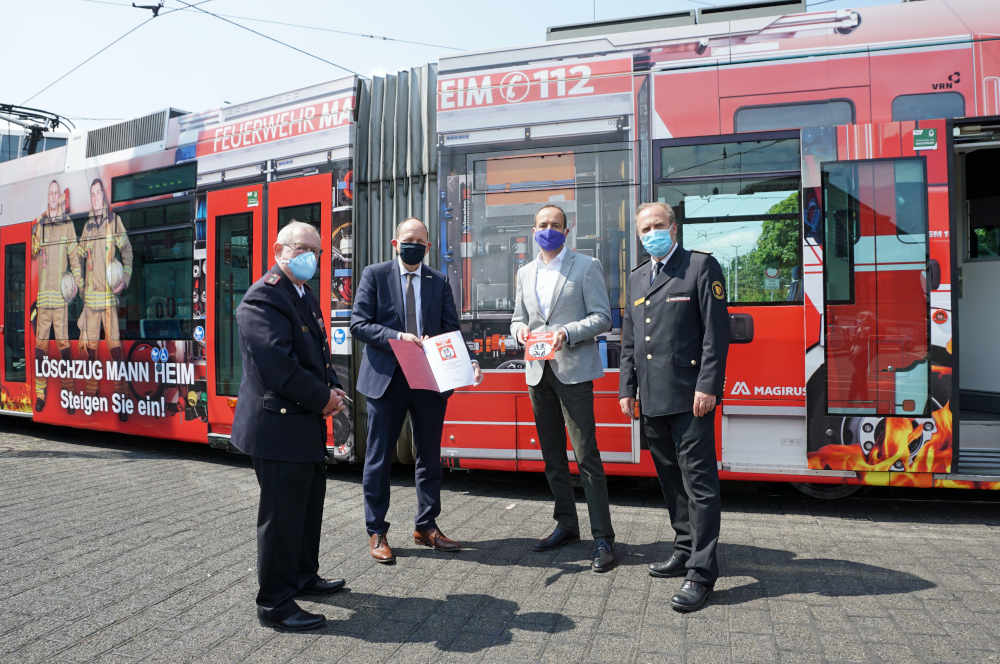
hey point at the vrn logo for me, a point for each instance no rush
(740, 389)
(953, 80)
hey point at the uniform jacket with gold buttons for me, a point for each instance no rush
(675, 333)
(287, 373)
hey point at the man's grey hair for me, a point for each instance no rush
(667, 210)
(395, 234)
(286, 234)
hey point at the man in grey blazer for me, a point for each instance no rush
(562, 291)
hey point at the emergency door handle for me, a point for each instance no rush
(740, 328)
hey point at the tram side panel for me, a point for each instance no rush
(112, 342)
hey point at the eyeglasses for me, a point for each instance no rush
(300, 248)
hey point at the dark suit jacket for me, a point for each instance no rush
(675, 333)
(378, 316)
(287, 373)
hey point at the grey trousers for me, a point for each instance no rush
(558, 408)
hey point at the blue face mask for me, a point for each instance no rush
(657, 242)
(550, 239)
(303, 266)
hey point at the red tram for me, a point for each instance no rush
(835, 162)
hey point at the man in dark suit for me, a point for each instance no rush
(288, 389)
(675, 337)
(407, 300)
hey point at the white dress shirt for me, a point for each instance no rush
(301, 290)
(403, 271)
(546, 278)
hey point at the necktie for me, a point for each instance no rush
(411, 305)
(656, 272)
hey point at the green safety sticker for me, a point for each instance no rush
(925, 139)
(253, 199)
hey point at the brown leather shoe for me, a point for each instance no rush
(435, 539)
(380, 550)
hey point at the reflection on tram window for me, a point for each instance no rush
(751, 226)
(506, 194)
(341, 255)
(489, 213)
(13, 331)
(156, 301)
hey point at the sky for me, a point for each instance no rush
(190, 60)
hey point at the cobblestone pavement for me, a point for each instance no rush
(119, 549)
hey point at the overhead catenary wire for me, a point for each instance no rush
(91, 57)
(103, 49)
(269, 37)
(301, 26)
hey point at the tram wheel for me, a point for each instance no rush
(827, 491)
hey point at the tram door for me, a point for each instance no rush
(16, 395)
(877, 275)
(235, 258)
(308, 199)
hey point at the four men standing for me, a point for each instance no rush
(675, 335)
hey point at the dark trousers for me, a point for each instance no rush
(559, 407)
(289, 520)
(385, 421)
(683, 451)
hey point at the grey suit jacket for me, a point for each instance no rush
(579, 304)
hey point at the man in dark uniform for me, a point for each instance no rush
(288, 389)
(675, 337)
(406, 300)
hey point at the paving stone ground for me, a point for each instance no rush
(119, 549)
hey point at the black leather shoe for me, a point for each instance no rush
(557, 537)
(691, 597)
(299, 621)
(323, 586)
(676, 566)
(604, 555)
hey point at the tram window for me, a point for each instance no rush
(308, 213)
(9, 145)
(731, 158)
(739, 201)
(928, 106)
(508, 191)
(911, 200)
(13, 330)
(232, 279)
(793, 116)
(840, 230)
(156, 182)
(751, 226)
(341, 254)
(157, 299)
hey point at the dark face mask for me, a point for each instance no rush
(412, 252)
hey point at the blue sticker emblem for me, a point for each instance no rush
(155, 354)
(339, 336)
(199, 333)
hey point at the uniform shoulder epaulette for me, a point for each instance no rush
(272, 279)
(699, 251)
(641, 264)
